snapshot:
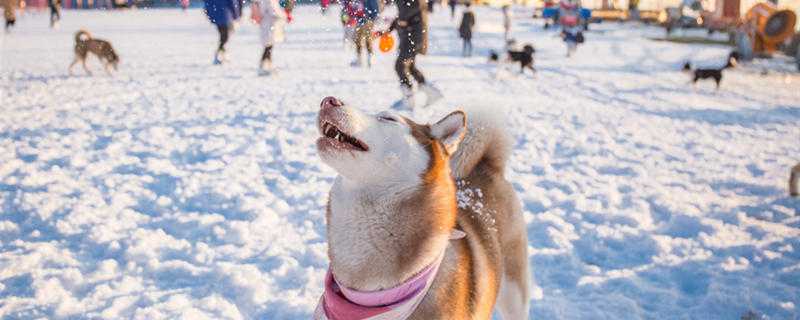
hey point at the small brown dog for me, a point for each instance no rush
(84, 44)
(794, 176)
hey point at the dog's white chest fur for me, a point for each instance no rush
(369, 231)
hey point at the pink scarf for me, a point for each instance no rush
(341, 303)
(398, 303)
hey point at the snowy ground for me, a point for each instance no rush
(180, 189)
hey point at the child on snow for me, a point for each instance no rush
(465, 30)
(572, 36)
(270, 17)
(569, 18)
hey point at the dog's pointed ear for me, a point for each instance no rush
(450, 130)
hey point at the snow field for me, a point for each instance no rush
(178, 189)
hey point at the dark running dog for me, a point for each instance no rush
(709, 73)
(85, 44)
(524, 57)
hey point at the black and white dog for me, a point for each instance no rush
(523, 57)
(711, 73)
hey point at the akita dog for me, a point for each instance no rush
(421, 222)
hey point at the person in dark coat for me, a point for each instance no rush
(55, 12)
(465, 30)
(223, 13)
(452, 4)
(412, 32)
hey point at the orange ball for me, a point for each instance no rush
(386, 42)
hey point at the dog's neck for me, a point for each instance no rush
(382, 234)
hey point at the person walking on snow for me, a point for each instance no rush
(223, 13)
(465, 30)
(356, 12)
(569, 19)
(55, 12)
(324, 5)
(271, 18)
(288, 7)
(452, 4)
(507, 21)
(412, 30)
(9, 12)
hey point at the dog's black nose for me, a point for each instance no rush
(330, 102)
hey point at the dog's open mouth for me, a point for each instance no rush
(341, 139)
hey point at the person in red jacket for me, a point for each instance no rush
(324, 5)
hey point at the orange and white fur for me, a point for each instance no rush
(403, 188)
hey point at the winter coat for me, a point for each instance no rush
(372, 9)
(355, 11)
(9, 8)
(288, 5)
(467, 22)
(413, 37)
(223, 12)
(273, 19)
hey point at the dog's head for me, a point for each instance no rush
(733, 59)
(113, 59)
(687, 67)
(528, 49)
(385, 147)
(493, 56)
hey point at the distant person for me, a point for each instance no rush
(324, 6)
(271, 18)
(184, 4)
(465, 30)
(373, 9)
(223, 13)
(452, 4)
(362, 29)
(9, 12)
(348, 27)
(506, 21)
(288, 7)
(55, 12)
(412, 32)
(569, 19)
